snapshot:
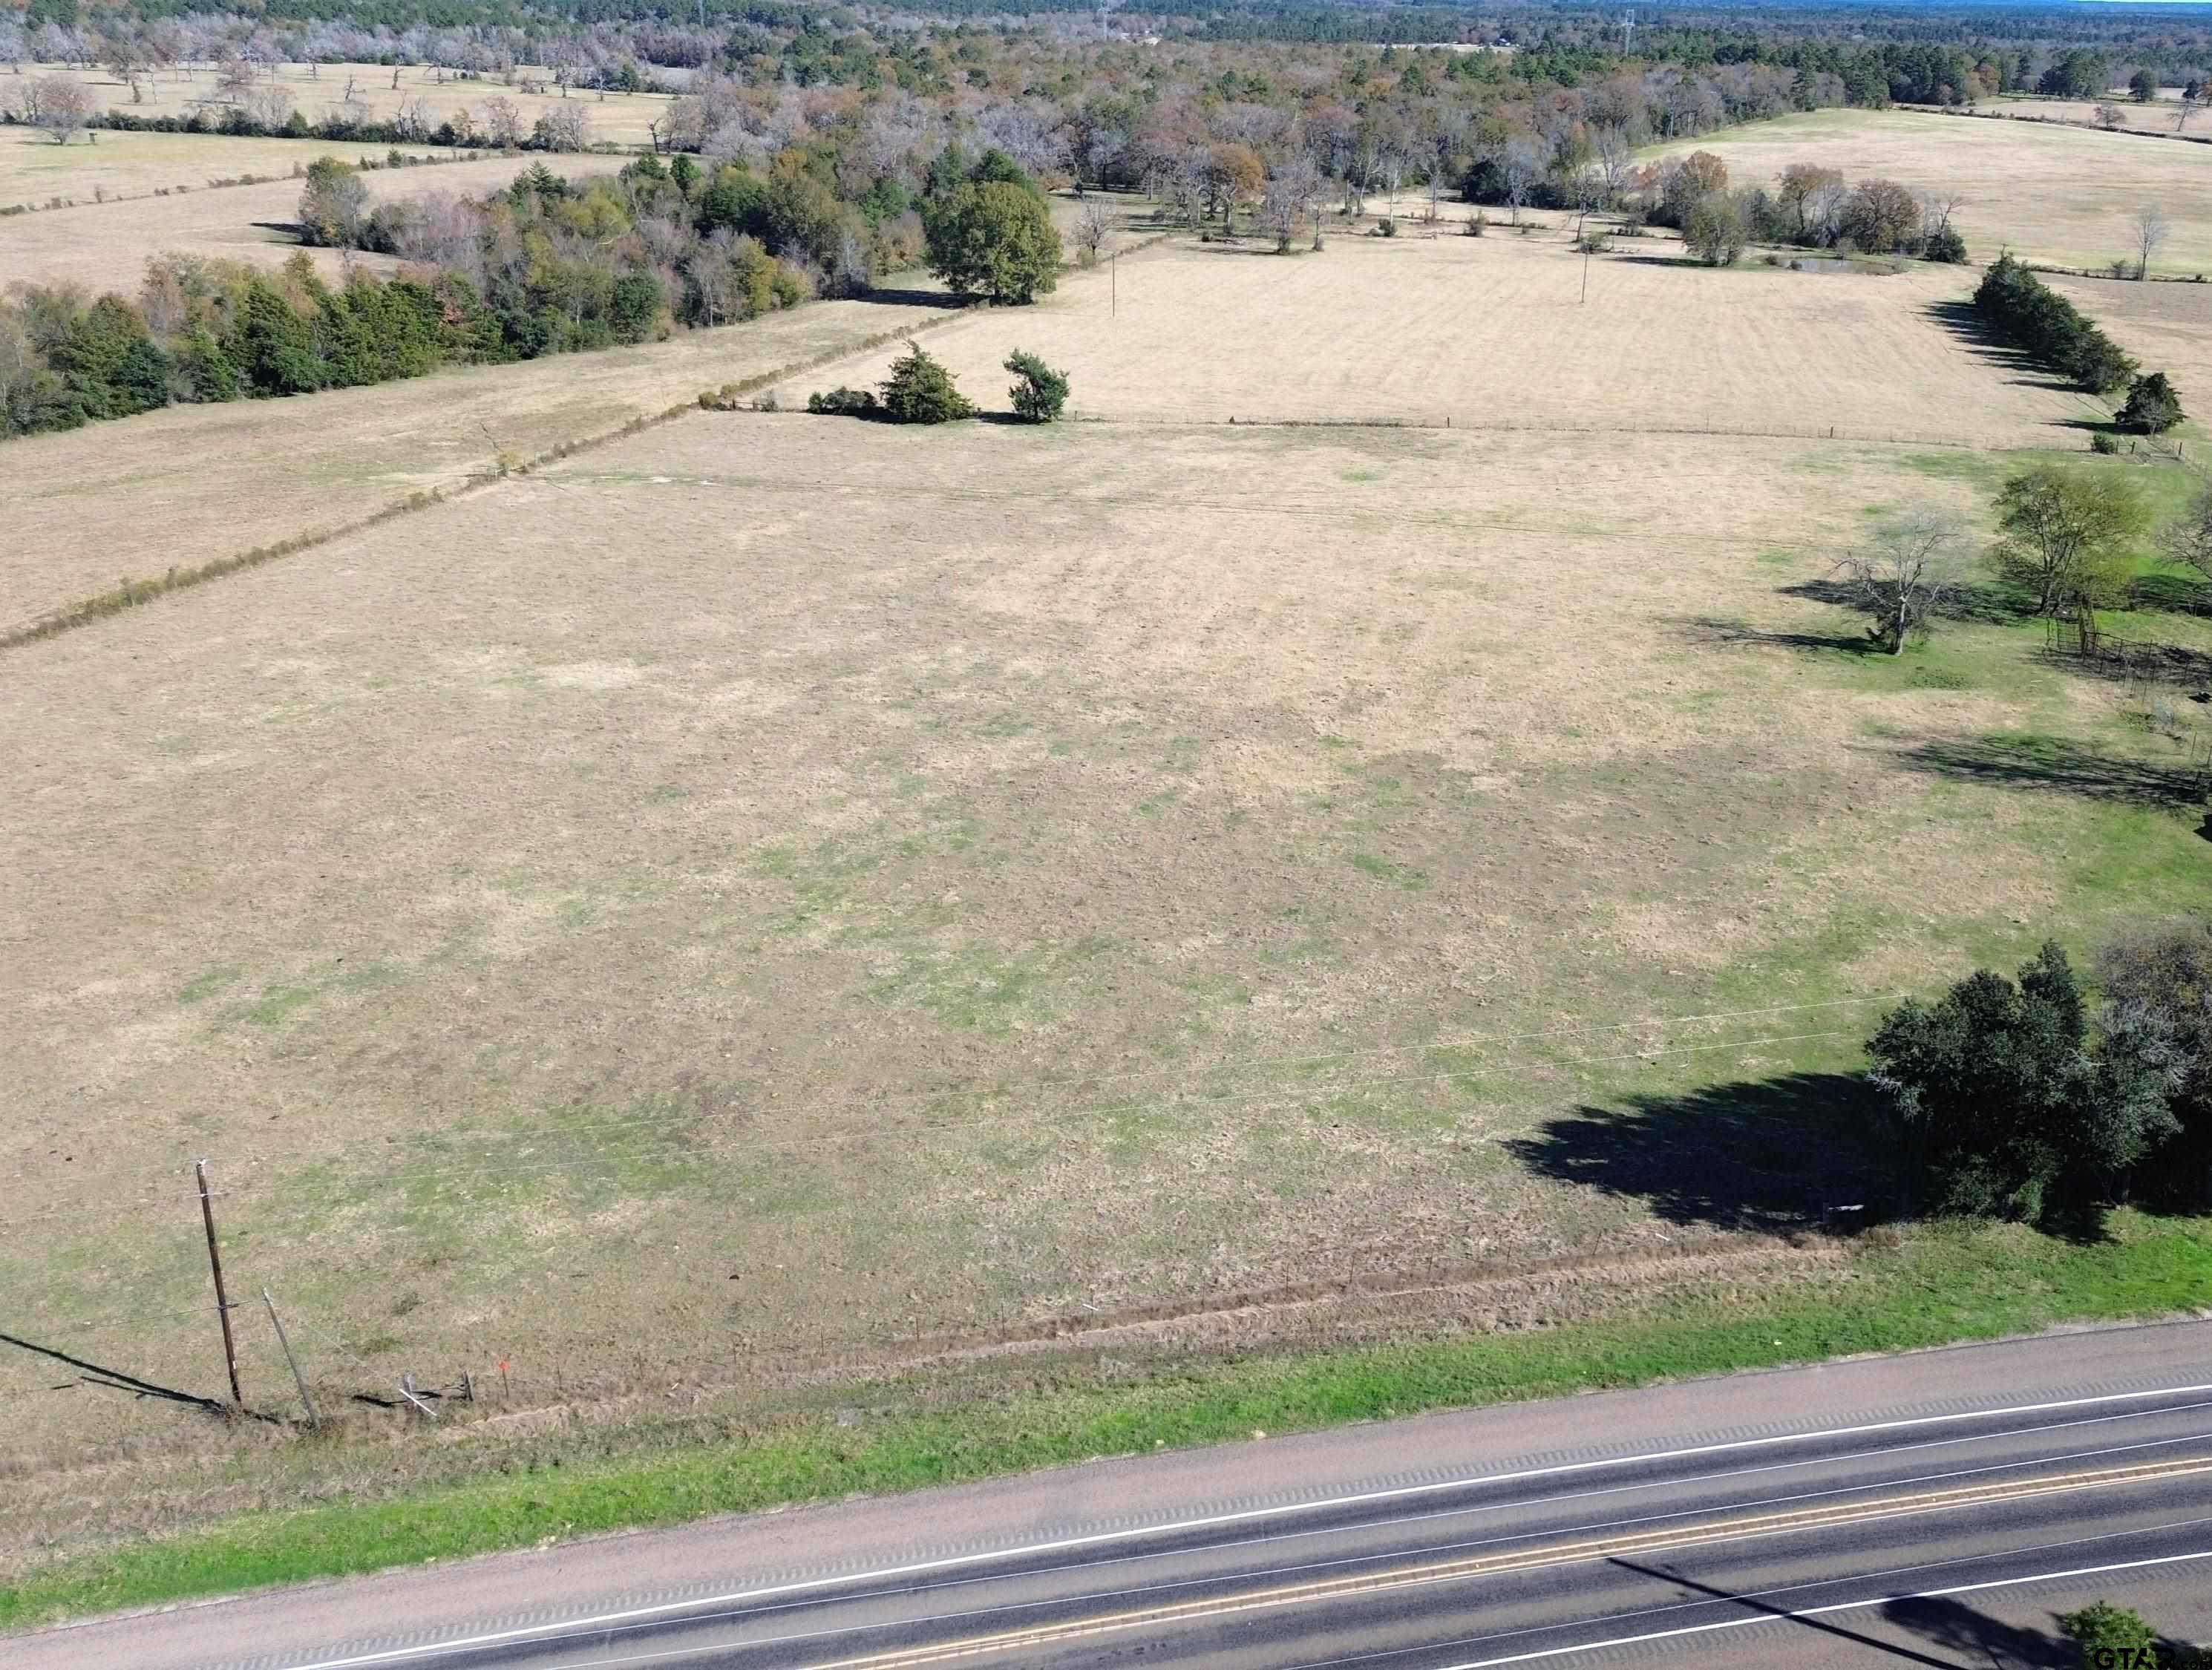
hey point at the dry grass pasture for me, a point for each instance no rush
(775, 887)
(1492, 332)
(617, 119)
(2168, 327)
(105, 247)
(775, 893)
(195, 484)
(2053, 193)
(33, 170)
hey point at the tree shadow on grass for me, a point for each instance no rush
(1715, 632)
(1772, 1155)
(1974, 334)
(2051, 762)
(1950, 1626)
(2174, 594)
(943, 300)
(1983, 605)
(2171, 664)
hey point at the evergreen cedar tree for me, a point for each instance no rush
(1040, 393)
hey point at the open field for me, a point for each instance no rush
(1490, 332)
(34, 170)
(773, 897)
(619, 119)
(2168, 327)
(105, 246)
(2053, 193)
(194, 484)
(1145, 864)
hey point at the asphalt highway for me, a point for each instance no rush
(1856, 1528)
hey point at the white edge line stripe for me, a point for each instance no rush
(1820, 1611)
(603, 1620)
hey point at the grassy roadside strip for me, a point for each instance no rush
(1938, 1285)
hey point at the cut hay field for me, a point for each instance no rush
(33, 170)
(2053, 193)
(105, 246)
(1492, 332)
(191, 484)
(774, 889)
(617, 119)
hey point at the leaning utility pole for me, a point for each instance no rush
(221, 1299)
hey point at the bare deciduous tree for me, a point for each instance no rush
(59, 104)
(503, 122)
(1914, 564)
(2151, 232)
(1093, 226)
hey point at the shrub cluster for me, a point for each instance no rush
(2016, 303)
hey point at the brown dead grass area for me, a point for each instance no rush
(1490, 332)
(106, 247)
(191, 484)
(795, 884)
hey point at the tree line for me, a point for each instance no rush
(1809, 206)
(2052, 330)
(547, 266)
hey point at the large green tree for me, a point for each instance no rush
(2069, 538)
(2015, 1113)
(993, 239)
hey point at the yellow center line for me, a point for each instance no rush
(1724, 1530)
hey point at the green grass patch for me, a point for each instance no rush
(1938, 1285)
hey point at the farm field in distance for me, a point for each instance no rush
(2064, 195)
(105, 246)
(1379, 827)
(611, 118)
(33, 170)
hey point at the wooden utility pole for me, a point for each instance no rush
(221, 1299)
(298, 1379)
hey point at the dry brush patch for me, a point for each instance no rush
(733, 896)
(1489, 333)
(2048, 192)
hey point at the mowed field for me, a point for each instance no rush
(2049, 192)
(1494, 332)
(773, 895)
(105, 247)
(619, 119)
(774, 888)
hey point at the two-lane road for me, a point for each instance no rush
(1936, 1509)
